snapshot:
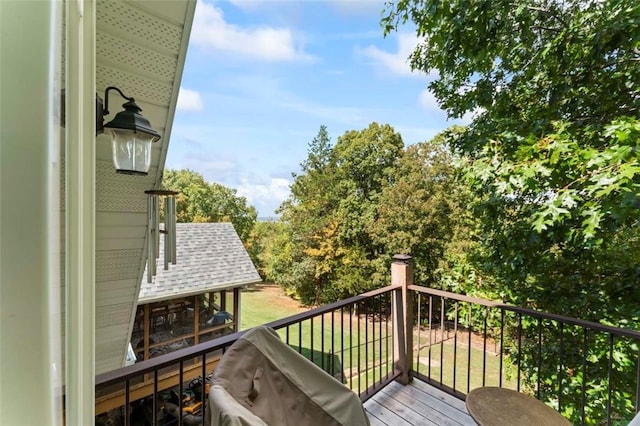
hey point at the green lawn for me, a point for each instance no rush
(481, 365)
(264, 303)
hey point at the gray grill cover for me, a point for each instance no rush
(260, 380)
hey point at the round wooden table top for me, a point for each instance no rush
(493, 406)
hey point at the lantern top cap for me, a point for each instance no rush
(129, 119)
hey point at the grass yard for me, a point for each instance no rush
(264, 303)
(488, 366)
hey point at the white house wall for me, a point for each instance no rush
(30, 379)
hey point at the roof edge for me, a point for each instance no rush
(225, 286)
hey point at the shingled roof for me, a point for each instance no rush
(210, 257)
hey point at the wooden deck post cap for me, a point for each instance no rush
(401, 258)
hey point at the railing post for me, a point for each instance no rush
(402, 276)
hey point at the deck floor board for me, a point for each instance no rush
(416, 404)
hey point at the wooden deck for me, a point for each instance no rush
(416, 404)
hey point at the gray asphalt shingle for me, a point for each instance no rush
(210, 257)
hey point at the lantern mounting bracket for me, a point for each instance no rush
(106, 98)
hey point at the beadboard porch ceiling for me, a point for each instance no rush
(140, 48)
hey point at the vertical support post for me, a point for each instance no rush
(196, 319)
(147, 329)
(80, 189)
(402, 277)
(223, 300)
(80, 165)
(236, 308)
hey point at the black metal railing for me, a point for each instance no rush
(353, 340)
(588, 371)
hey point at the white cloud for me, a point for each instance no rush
(265, 195)
(397, 62)
(428, 101)
(189, 100)
(468, 117)
(263, 43)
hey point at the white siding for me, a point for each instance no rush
(140, 48)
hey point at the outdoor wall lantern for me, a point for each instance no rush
(131, 135)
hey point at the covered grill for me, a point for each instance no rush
(260, 380)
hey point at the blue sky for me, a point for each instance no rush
(261, 77)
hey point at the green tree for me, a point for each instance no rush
(262, 243)
(552, 150)
(366, 162)
(201, 201)
(331, 253)
(554, 86)
(421, 211)
(307, 212)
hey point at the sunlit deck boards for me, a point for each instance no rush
(416, 404)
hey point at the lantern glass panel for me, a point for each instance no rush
(131, 150)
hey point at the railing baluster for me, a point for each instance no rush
(584, 376)
(560, 366)
(287, 335)
(417, 364)
(322, 341)
(501, 344)
(155, 398)
(484, 347)
(300, 337)
(539, 356)
(638, 384)
(181, 379)
(204, 379)
(469, 351)
(366, 348)
(373, 344)
(127, 396)
(331, 359)
(519, 350)
(609, 376)
(381, 301)
(311, 335)
(342, 363)
(359, 340)
(430, 329)
(351, 347)
(442, 309)
(390, 357)
(455, 343)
